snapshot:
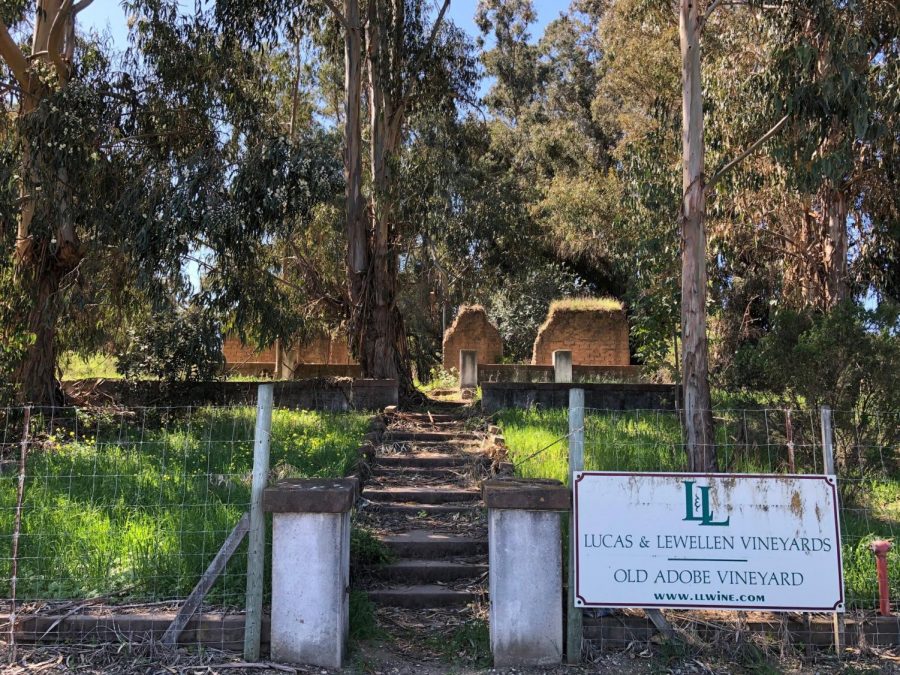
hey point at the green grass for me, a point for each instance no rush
(440, 379)
(136, 507)
(627, 441)
(363, 622)
(75, 367)
(97, 366)
(649, 441)
(468, 643)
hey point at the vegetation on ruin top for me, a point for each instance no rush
(585, 305)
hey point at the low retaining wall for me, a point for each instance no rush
(310, 394)
(610, 633)
(251, 369)
(502, 372)
(605, 396)
(621, 629)
(307, 371)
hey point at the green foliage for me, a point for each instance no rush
(75, 367)
(366, 549)
(363, 622)
(173, 346)
(14, 338)
(202, 168)
(173, 153)
(846, 358)
(439, 378)
(521, 304)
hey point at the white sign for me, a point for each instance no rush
(734, 541)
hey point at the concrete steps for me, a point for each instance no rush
(427, 460)
(416, 472)
(411, 570)
(427, 418)
(421, 495)
(425, 596)
(432, 568)
(432, 545)
(391, 436)
(427, 509)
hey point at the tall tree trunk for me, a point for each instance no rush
(45, 251)
(36, 373)
(378, 331)
(357, 239)
(695, 349)
(834, 253)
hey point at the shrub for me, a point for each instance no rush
(847, 358)
(175, 345)
(520, 306)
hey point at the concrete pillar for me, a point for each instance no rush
(525, 552)
(468, 369)
(562, 365)
(310, 569)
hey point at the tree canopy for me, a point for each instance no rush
(273, 169)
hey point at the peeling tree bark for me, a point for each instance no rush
(45, 252)
(697, 404)
(834, 258)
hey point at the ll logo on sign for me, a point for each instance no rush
(701, 503)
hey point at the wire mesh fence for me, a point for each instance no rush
(120, 512)
(768, 441)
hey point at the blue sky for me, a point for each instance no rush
(108, 15)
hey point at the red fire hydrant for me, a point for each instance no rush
(880, 548)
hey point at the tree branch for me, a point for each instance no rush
(731, 3)
(425, 51)
(708, 13)
(54, 40)
(338, 14)
(80, 5)
(746, 153)
(13, 56)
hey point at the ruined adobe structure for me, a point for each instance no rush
(472, 330)
(595, 331)
(321, 349)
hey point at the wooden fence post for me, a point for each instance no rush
(574, 629)
(256, 537)
(829, 466)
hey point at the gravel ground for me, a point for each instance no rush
(383, 659)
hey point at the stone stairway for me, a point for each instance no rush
(423, 502)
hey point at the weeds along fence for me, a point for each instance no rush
(866, 452)
(122, 511)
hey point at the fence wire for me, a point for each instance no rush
(123, 510)
(775, 440)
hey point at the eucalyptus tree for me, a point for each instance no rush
(47, 245)
(133, 166)
(833, 65)
(410, 62)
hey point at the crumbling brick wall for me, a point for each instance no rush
(324, 348)
(236, 352)
(321, 349)
(472, 330)
(596, 337)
